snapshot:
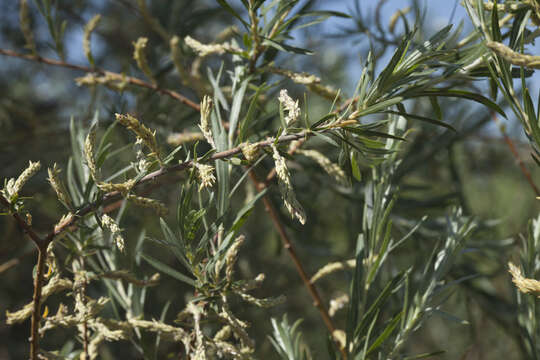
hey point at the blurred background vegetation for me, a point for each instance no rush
(472, 167)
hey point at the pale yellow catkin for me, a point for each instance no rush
(116, 82)
(57, 184)
(26, 27)
(56, 284)
(115, 230)
(205, 174)
(302, 78)
(89, 145)
(331, 168)
(31, 170)
(525, 285)
(513, 57)
(88, 29)
(287, 192)
(157, 206)
(232, 256)
(147, 136)
(123, 188)
(205, 126)
(139, 55)
(176, 139)
(290, 106)
(263, 303)
(250, 151)
(204, 50)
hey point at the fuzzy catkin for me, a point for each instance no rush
(232, 256)
(331, 168)
(26, 27)
(177, 139)
(55, 285)
(526, 286)
(140, 57)
(290, 106)
(204, 50)
(302, 78)
(88, 28)
(145, 135)
(157, 206)
(57, 185)
(286, 188)
(115, 230)
(513, 57)
(31, 170)
(206, 129)
(113, 81)
(89, 145)
(250, 151)
(205, 174)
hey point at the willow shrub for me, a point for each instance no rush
(243, 144)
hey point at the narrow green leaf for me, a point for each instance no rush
(168, 270)
(422, 118)
(233, 12)
(235, 109)
(377, 107)
(385, 334)
(286, 48)
(424, 355)
(460, 94)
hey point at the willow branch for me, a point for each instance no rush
(115, 195)
(287, 244)
(36, 303)
(38, 280)
(128, 79)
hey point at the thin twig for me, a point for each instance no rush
(115, 195)
(287, 244)
(38, 280)
(36, 303)
(515, 153)
(129, 79)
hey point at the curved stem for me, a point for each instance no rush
(287, 244)
(129, 79)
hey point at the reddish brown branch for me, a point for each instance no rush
(129, 79)
(38, 280)
(287, 244)
(515, 153)
(22, 223)
(36, 303)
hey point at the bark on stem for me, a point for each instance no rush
(287, 244)
(36, 309)
(129, 79)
